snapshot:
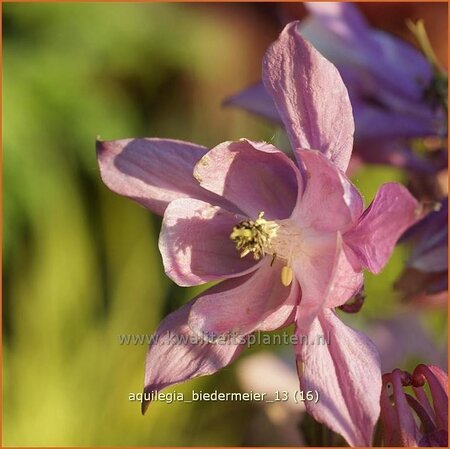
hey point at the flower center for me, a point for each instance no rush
(262, 237)
(254, 236)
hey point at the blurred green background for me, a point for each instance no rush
(81, 265)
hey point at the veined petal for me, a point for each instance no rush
(310, 96)
(284, 315)
(329, 202)
(347, 279)
(329, 274)
(152, 172)
(373, 238)
(255, 176)
(346, 374)
(314, 269)
(255, 99)
(239, 306)
(195, 243)
(176, 354)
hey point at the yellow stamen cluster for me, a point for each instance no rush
(254, 236)
(260, 237)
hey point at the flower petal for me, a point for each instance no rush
(255, 99)
(435, 439)
(397, 421)
(411, 72)
(255, 176)
(373, 238)
(195, 243)
(430, 240)
(438, 382)
(176, 354)
(344, 20)
(152, 172)
(394, 152)
(436, 259)
(328, 273)
(347, 278)
(346, 374)
(284, 315)
(341, 33)
(380, 123)
(239, 306)
(314, 269)
(310, 96)
(329, 202)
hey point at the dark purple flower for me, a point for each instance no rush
(387, 79)
(426, 272)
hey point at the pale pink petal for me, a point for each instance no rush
(373, 238)
(347, 278)
(240, 306)
(152, 172)
(285, 314)
(255, 176)
(329, 202)
(176, 354)
(314, 269)
(346, 374)
(195, 243)
(329, 275)
(310, 96)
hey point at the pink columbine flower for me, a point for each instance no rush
(289, 241)
(399, 423)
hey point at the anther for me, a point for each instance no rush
(254, 236)
(286, 276)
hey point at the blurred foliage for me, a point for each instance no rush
(81, 265)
